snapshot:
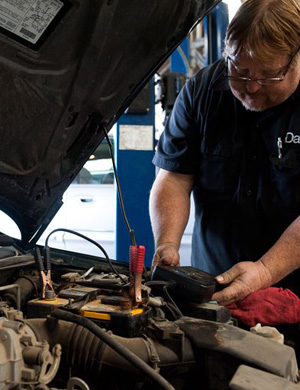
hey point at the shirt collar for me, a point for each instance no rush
(221, 82)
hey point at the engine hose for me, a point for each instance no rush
(27, 290)
(112, 343)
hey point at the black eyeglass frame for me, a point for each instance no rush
(262, 81)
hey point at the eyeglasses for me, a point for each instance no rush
(230, 67)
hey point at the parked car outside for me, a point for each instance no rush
(89, 207)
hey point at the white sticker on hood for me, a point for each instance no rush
(28, 19)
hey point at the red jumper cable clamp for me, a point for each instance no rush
(137, 256)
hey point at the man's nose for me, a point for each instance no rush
(253, 86)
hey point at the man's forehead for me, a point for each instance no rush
(247, 59)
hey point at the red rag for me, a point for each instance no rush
(271, 306)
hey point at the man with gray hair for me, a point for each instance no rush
(233, 139)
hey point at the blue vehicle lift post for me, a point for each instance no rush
(134, 150)
(134, 153)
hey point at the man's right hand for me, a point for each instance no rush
(166, 254)
(169, 213)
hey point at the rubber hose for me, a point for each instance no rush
(123, 351)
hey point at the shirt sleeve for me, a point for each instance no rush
(177, 147)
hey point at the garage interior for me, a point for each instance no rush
(86, 90)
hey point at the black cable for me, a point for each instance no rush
(174, 309)
(112, 343)
(165, 286)
(91, 241)
(165, 289)
(168, 306)
(120, 197)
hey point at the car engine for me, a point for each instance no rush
(70, 321)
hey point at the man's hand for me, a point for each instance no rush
(169, 213)
(243, 279)
(166, 254)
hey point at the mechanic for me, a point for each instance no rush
(233, 139)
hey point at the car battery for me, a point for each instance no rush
(78, 292)
(64, 299)
(111, 313)
(41, 308)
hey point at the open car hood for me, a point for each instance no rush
(69, 69)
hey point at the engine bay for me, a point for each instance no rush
(73, 321)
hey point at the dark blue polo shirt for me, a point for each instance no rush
(247, 189)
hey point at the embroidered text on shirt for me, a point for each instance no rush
(292, 138)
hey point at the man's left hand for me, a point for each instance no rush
(243, 279)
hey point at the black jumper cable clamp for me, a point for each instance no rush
(45, 273)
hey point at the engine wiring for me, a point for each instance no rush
(171, 305)
(92, 242)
